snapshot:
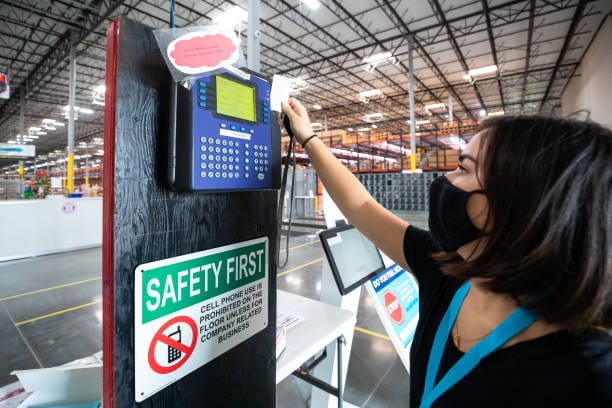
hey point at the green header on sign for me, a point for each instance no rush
(173, 287)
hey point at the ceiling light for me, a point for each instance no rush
(35, 129)
(479, 71)
(374, 126)
(435, 106)
(376, 58)
(498, 113)
(420, 122)
(297, 84)
(483, 112)
(350, 129)
(365, 96)
(312, 4)
(363, 129)
(372, 117)
(95, 102)
(317, 106)
(11, 142)
(232, 16)
(85, 110)
(100, 89)
(316, 124)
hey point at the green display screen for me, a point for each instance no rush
(235, 99)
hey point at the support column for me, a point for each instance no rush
(71, 110)
(411, 96)
(20, 138)
(253, 35)
(450, 108)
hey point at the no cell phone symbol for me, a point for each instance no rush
(173, 353)
(174, 342)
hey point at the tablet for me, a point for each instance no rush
(352, 257)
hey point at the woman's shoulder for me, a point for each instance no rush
(582, 358)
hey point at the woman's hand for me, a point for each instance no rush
(300, 122)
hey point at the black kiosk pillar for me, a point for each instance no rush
(146, 227)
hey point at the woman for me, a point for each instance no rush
(515, 274)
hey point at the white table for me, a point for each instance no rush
(321, 324)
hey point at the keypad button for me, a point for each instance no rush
(224, 150)
(246, 153)
(233, 127)
(231, 159)
(211, 157)
(211, 166)
(246, 145)
(203, 165)
(260, 176)
(218, 166)
(224, 175)
(203, 148)
(202, 98)
(217, 174)
(246, 168)
(224, 166)
(237, 167)
(211, 140)
(231, 167)
(237, 144)
(203, 174)
(224, 158)
(256, 161)
(203, 139)
(231, 142)
(246, 175)
(265, 162)
(246, 160)
(202, 104)
(223, 125)
(203, 156)
(236, 175)
(266, 148)
(231, 151)
(211, 174)
(211, 149)
(218, 158)
(231, 175)
(251, 131)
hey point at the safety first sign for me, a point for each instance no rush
(192, 308)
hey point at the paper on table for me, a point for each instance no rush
(279, 92)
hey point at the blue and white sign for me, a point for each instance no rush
(396, 297)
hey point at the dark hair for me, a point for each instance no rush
(549, 188)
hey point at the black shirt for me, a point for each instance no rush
(565, 368)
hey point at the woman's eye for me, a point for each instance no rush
(461, 169)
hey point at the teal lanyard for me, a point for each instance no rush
(513, 324)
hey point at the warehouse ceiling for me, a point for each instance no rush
(536, 46)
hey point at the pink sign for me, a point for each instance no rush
(202, 51)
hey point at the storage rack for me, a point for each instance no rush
(400, 191)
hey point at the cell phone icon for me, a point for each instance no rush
(174, 354)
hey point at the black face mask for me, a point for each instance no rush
(449, 223)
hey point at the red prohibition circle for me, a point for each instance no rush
(161, 337)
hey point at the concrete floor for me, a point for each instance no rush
(51, 313)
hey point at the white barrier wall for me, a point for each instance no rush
(37, 227)
(590, 88)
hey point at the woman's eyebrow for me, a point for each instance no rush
(467, 156)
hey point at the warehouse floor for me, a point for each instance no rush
(51, 314)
